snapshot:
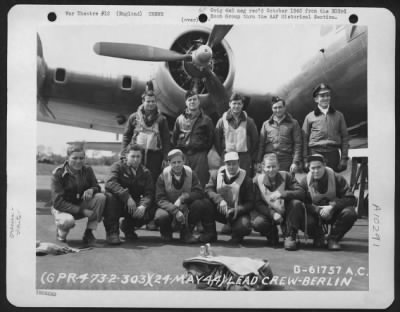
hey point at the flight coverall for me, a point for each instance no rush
(331, 189)
(326, 135)
(262, 215)
(195, 142)
(153, 136)
(168, 190)
(124, 183)
(67, 189)
(239, 197)
(282, 138)
(241, 137)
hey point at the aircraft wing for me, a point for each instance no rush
(114, 147)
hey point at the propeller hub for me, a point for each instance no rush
(202, 56)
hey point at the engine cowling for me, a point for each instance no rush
(173, 79)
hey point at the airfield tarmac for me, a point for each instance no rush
(149, 264)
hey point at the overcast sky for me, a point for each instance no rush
(265, 57)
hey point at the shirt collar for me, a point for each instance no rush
(189, 115)
(268, 182)
(229, 116)
(231, 176)
(183, 175)
(318, 112)
(323, 110)
(287, 118)
(278, 120)
(323, 178)
(67, 169)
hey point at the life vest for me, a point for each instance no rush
(230, 192)
(186, 127)
(172, 192)
(235, 139)
(147, 137)
(277, 205)
(330, 192)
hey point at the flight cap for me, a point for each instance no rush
(321, 88)
(316, 157)
(231, 156)
(174, 152)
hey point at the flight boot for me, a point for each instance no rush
(61, 235)
(89, 239)
(290, 241)
(273, 237)
(209, 234)
(113, 239)
(112, 235)
(334, 245)
(128, 230)
(187, 237)
(236, 240)
(226, 229)
(151, 226)
(319, 238)
(166, 237)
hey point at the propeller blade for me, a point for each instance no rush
(39, 50)
(138, 52)
(216, 91)
(217, 34)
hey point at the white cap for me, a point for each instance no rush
(231, 156)
(174, 152)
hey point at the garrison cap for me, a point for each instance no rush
(316, 157)
(190, 93)
(149, 90)
(276, 99)
(231, 156)
(174, 152)
(236, 97)
(322, 87)
(75, 147)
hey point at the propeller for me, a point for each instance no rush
(39, 50)
(198, 56)
(216, 90)
(217, 34)
(42, 101)
(138, 52)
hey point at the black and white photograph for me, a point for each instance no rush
(208, 151)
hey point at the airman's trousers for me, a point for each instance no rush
(198, 211)
(307, 221)
(115, 209)
(66, 221)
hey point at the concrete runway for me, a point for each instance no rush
(128, 266)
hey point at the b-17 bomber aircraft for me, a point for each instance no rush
(93, 78)
(203, 59)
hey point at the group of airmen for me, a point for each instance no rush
(164, 178)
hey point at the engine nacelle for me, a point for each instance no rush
(173, 79)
